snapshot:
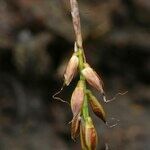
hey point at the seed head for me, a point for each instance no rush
(77, 98)
(92, 78)
(71, 69)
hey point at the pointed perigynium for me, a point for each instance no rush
(75, 126)
(96, 106)
(88, 135)
(76, 105)
(92, 78)
(71, 69)
(82, 135)
(77, 98)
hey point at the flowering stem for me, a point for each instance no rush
(77, 29)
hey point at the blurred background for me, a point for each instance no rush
(37, 40)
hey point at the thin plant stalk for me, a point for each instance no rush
(77, 28)
(76, 22)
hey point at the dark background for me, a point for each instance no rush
(36, 41)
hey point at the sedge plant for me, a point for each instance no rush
(82, 97)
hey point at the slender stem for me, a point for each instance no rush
(82, 60)
(76, 22)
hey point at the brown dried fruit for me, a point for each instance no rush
(71, 69)
(77, 98)
(96, 106)
(92, 78)
(75, 124)
(82, 135)
(88, 135)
